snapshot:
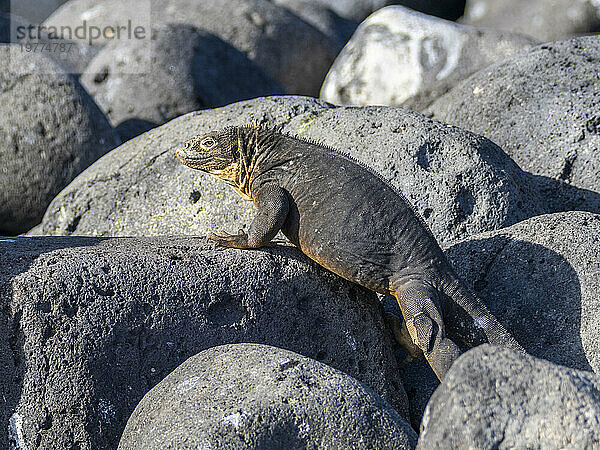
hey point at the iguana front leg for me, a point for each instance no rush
(273, 206)
(423, 317)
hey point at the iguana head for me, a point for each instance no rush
(219, 154)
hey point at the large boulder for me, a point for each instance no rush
(89, 326)
(546, 20)
(540, 278)
(140, 188)
(289, 49)
(50, 131)
(185, 69)
(540, 106)
(495, 398)
(398, 53)
(256, 396)
(73, 56)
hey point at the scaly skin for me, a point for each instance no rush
(349, 220)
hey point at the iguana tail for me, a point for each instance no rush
(471, 321)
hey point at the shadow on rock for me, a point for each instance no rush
(12, 339)
(532, 290)
(130, 128)
(558, 196)
(188, 69)
(546, 195)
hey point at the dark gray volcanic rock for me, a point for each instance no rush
(495, 398)
(256, 396)
(34, 11)
(546, 20)
(9, 24)
(140, 189)
(338, 29)
(50, 130)
(358, 10)
(89, 325)
(74, 56)
(287, 48)
(397, 53)
(540, 278)
(446, 9)
(540, 106)
(184, 70)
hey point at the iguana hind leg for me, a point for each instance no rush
(403, 338)
(420, 308)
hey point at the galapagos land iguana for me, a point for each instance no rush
(347, 218)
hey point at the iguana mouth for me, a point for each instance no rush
(195, 160)
(184, 156)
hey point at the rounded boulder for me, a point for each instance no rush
(257, 397)
(50, 131)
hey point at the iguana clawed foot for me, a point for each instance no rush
(223, 239)
(403, 338)
(423, 318)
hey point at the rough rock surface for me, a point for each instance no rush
(256, 396)
(50, 130)
(140, 189)
(546, 20)
(541, 278)
(398, 53)
(495, 398)
(89, 325)
(185, 70)
(540, 106)
(76, 56)
(289, 49)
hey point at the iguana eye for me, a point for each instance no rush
(207, 143)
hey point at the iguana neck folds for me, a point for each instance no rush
(252, 141)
